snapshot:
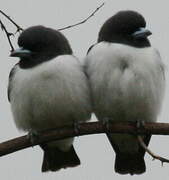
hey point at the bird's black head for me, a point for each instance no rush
(126, 27)
(38, 44)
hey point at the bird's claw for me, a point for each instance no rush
(140, 125)
(106, 122)
(33, 136)
(76, 127)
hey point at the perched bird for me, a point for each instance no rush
(127, 82)
(48, 89)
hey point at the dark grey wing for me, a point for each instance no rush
(85, 64)
(11, 75)
(160, 63)
(90, 48)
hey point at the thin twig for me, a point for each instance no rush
(12, 21)
(83, 21)
(163, 160)
(8, 34)
(23, 142)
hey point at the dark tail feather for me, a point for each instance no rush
(126, 163)
(129, 164)
(55, 159)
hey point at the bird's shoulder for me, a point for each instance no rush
(90, 48)
(66, 62)
(159, 62)
(106, 52)
(11, 76)
(104, 48)
(61, 67)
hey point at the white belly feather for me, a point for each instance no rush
(49, 95)
(127, 83)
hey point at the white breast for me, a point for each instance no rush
(127, 83)
(51, 94)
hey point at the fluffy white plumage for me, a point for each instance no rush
(126, 79)
(52, 94)
(127, 84)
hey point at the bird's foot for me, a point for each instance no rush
(76, 127)
(106, 122)
(140, 125)
(33, 136)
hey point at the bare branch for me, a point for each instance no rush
(8, 34)
(83, 21)
(12, 21)
(23, 142)
(163, 160)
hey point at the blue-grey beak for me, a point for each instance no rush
(20, 52)
(141, 33)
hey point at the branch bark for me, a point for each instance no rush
(23, 142)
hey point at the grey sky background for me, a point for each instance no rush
(97, 156)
